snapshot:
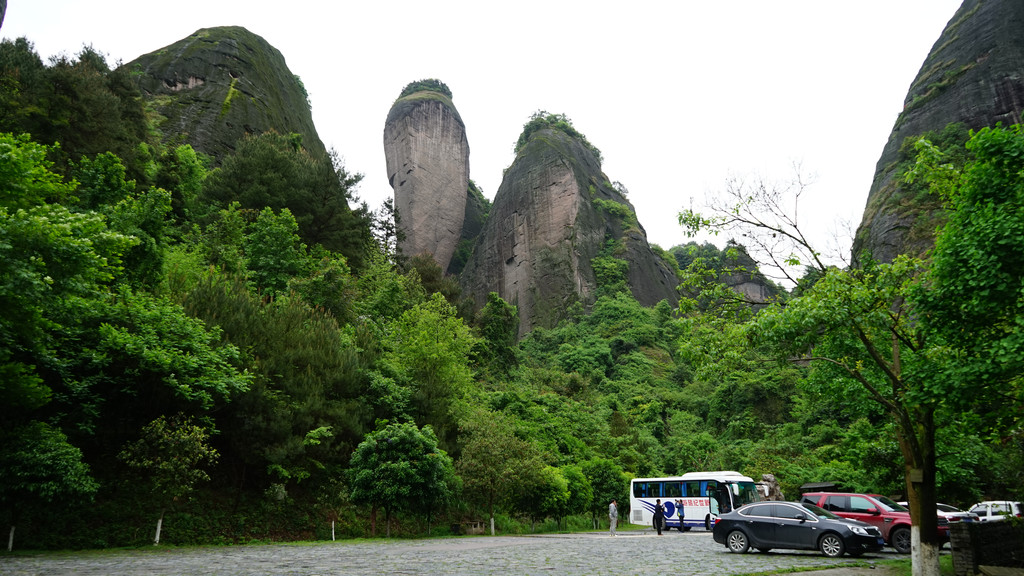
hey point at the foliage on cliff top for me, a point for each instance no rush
(542, 119)
(429, 84)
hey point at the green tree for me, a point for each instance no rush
(972, 296)
(499, 329)
(274, 251)
(182, 170)
(27, 178)
(400, 467)
(38, 469)
(170, 454)
(494, 462)
(428, 349)
(78, 102)
(101, 181)
(852, 326)
(608, 483)
(273, 171)
(581, 493)
(543, 494)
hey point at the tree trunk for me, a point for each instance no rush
(373, 521)
(159, 525)
(917, 443)
(10, 539)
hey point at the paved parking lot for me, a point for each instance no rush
(692, 553)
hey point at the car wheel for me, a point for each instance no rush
(737, 542)
(831, 545)
(900, 538)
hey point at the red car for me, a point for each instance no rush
(892, 519)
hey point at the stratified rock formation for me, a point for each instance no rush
(973, 75)
(220, 84)
(552, 215)
(427, 156)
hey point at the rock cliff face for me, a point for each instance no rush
(553, 214)
(973, 75)
(427, 156)
(219, 84)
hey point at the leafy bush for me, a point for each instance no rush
(430, 84)
(541, 120)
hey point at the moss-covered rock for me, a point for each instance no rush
(219, 84)
(553, 215)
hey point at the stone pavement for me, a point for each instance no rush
(641, 552)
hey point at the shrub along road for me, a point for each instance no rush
(634, 552)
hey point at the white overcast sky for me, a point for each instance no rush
(678, 95)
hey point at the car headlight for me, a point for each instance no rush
(859, 530)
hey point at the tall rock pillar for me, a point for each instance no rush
(427, 157)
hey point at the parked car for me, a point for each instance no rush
(794, 526)
(889, 517)
(994, 510)
(950, 513)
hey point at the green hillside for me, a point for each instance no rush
(235, 350)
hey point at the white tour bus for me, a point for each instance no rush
(703, 495)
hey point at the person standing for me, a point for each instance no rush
(659, 515)
(613, 516)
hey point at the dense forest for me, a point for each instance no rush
(233, 347)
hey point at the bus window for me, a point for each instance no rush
(691, 489)
(647, 489)
(672, 490)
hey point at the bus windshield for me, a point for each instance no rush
(744, 493)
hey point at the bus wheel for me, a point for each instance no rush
(707, 522)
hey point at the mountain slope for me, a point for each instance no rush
(974, 75)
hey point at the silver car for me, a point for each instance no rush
(994, 510)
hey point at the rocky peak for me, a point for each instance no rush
(553, 214)
(427, 155)
(220, 84)
(973, 75)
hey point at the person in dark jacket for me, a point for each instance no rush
(659, 516)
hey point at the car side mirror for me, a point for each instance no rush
(874, 512)
(801, 518)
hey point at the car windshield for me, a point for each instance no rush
(890, 505)
(946, 508)
(819, 512)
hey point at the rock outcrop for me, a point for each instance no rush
(427, 155)
(974, 75)
(552, 215)
(220, 84)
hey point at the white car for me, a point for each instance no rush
(949, 513)
(993, 510)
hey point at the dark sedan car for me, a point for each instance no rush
(795, 526)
